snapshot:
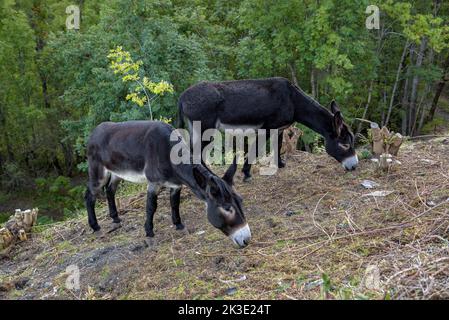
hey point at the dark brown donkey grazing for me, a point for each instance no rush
(272, 103)
(140, 151)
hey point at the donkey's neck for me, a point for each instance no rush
(184, 173)
(311, 114)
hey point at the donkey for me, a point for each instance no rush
(139, 151)
(272, 103)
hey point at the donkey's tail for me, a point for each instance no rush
(180, 123)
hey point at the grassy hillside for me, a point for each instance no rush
(315, 234)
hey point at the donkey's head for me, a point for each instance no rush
(340, 141)
(224, 205)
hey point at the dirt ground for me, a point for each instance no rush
(317, 234)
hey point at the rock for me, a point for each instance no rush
(368, 184)
(382, 193)
(289, 213)
(430, 203)
(137, 247)
(21, 283)
(231, 291)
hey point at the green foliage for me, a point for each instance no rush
(144, 90)
(4, 217)
(364, 154)
(57, 194)
(56, 85)
(44, 220)
(13, 177)
(434, 126)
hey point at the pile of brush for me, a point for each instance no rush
(17, 227)
(385, 145)
(384, 141)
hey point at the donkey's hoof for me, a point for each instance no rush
(247, 178)
(95, 227)
(179, 226)
(281, 163)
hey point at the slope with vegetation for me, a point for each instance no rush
(317, 233)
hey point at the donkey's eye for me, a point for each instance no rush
(227, 211)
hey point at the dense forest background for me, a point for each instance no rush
(57, 84)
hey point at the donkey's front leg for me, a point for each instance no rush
(175, 198)
(152, 192)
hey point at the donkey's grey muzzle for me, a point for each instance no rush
(241, 236)
(350, 163)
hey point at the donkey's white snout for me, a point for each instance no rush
(350, 163)
(241, 236)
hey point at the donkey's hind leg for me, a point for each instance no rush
(250, 158)
(175, 198)
(111, 189)
(90, 199)
(97, 179)
(152, 192)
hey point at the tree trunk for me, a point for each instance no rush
(384, 104)
(368, 101)
(396, 82)
(422, 109)
(292, 68)
(404, 104)
(415, 82)
(439, 90)
(313, 83)
(6, 138)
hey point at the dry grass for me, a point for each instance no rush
(315, 233)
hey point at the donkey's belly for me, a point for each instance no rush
(131, 176)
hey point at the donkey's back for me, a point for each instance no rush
(136, 151)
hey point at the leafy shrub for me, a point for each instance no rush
(13, 176)
(364, 154)
(434, 126)
(4, 217)
(58, 195)
(310, 140)
(43, 220)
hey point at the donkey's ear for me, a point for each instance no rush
(200, 178)
(229, 174)
(214, 189)
(338, 122)
(334, 107)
